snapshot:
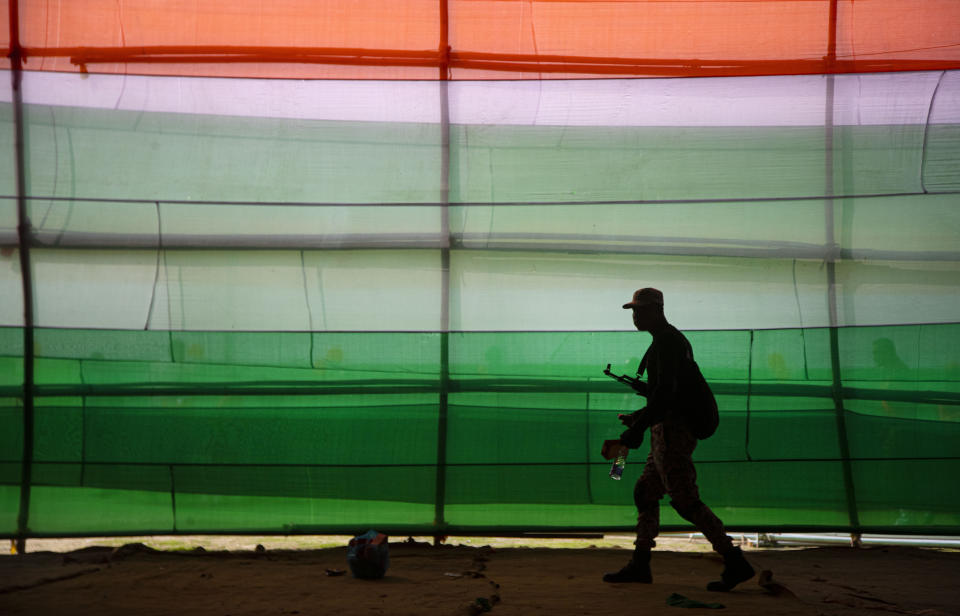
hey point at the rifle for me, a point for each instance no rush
(633, 382)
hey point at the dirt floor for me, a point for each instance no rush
(461, 578)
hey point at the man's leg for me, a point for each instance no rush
(680, 478)
(647, 493)
(736, 569)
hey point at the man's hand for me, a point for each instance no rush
(611, 448)
(629, 419)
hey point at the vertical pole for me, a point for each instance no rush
(440, 496)
(23, 239)
(832, 252)
(746, 439)
(830, 239)
(589, 449)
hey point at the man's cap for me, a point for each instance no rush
(645, 297)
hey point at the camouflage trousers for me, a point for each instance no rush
(669, 470)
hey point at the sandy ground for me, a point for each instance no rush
(84, 578)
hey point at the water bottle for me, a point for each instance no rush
(616, 469)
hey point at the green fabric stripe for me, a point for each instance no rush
(527, 413)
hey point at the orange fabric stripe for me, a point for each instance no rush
(487, 38)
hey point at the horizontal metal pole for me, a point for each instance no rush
(948, 534)
(460, 385)
(510, 241)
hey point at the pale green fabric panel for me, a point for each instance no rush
(891, 292)
(11, 288)
(535, 164)
(93, 288)
(375, 290)
(923, 227)
(383, 290)
(226, 290)
(294, 291)
(102, 153)
(941, 169)
(558, 291)
(78, 282)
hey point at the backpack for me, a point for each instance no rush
(368, 555)
(698, 403)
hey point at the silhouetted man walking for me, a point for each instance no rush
(669, 467)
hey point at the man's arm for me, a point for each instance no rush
(666, 363)
(632, 437)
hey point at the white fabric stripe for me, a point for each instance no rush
(868, 99)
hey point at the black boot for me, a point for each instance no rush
(736, 569)
(636, 571)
